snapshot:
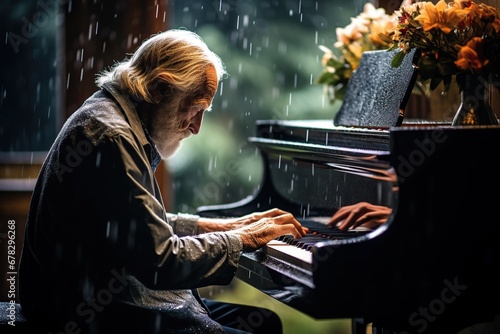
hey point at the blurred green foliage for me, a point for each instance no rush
(270, 49)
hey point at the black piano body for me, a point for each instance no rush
(432, 267)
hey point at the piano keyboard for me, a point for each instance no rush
(298, 251)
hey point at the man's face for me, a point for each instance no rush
(187, 113)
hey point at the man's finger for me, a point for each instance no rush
(288, 218)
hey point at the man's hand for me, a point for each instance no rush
(259, 233)
(360, 214)
(228, 224)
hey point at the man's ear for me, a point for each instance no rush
(158, 90)
(156, 95)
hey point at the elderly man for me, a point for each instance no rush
(101, 254)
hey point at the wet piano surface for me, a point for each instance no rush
(431, 266)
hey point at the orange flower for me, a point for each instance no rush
(488, 14)
(440, 16)
(379, 28)
(471, 57)
(453, 36)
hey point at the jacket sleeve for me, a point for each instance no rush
(140, 234)
(183, 224)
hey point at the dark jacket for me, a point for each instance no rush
(99, 246)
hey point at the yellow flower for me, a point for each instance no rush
(379, 28)
(440, 16)
(353, 56)
(346, 35)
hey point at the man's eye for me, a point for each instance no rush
(196, 110)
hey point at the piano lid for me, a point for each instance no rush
(324, 134)
(377, 93)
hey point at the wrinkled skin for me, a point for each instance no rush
(258, 228)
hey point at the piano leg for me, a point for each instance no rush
(360, 326)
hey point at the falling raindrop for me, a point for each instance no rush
(221, 89)
(98, 159)
(37, 96)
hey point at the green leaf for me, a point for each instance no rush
(385, 38)
(335, 63)
(398, 59)
(340, 93)
(325, 78)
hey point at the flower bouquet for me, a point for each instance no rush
(453, 38)
(366, 32)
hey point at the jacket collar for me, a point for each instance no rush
(130, 112)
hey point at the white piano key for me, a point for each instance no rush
(289, 253)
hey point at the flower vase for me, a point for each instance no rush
(474, 108)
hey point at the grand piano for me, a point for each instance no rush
(431, 268)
